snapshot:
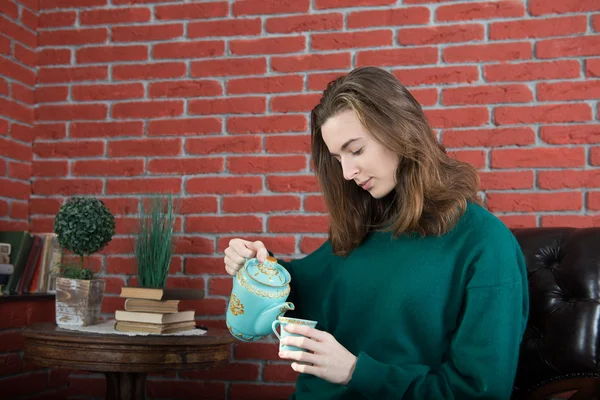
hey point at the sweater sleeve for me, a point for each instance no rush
(481, 361)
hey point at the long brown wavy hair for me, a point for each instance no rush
(432, 189)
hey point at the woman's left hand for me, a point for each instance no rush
(330, 360)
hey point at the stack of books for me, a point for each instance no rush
(156, 311)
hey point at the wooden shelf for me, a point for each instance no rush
(27, 297)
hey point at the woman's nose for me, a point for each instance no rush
(349, 169)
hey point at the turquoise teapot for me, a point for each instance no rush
(258, 297)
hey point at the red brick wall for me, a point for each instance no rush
(210, 100)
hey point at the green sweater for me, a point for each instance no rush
(439, 317)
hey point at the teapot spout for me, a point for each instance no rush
(263, 323)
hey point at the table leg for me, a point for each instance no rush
(125, 385)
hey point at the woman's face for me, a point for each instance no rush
(363, 160)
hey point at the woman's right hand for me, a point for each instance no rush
(239, 250)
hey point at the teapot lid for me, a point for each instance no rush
(269, 273)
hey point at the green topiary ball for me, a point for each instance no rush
(84, 225)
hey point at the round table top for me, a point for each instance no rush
(51, 346)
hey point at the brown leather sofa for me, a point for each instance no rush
(560, 352)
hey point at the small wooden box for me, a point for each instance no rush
(78, 302)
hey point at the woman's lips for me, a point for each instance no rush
(367, 185)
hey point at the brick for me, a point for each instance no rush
(276, 45)
(53, 57)
(551, 180)
(194, 245)
(519, 221)
(351, 40)
(593, 201)
(10, 9)
(287, 144)
(24, 384)
(595, 156)
(10, 364)
(592, 67)
(122, 205)
(476, 158)
(187, 50)
(487, 94)
(576, 221)
(259, 204)
(437, 75)
(23, 94)
(54, 4)
(458, 117)
(17, 111)
(195, 88)
(24, 55)
(324, 4)
(215, 307)
(279, 373)
(298, 223)
(294, 103)
(262, 391)
(232, 371)
(228, 67)
(19, 210)
(545, 114)
(570, 134)
(44, 205)
(64, 37)
(506, 180)
(568, 90)
(198, 205)
(568, 47)
(538, 28)
(184, 126)
(115, 16)
(534, 202)
(309, 244)
(66, 187)
(15, 189)
(11, 69)
(315, 204)
(17, 32)
(304, 23)
(5, 45)
(204, 265)
(267, 124)
(217, 145)
(224, 27)
(257, 7)
(224, 224)
(57, 19)
(532, 71)
(541, 7)
(50, 168)
(481, 10)
(71, 74)
(188, 166)
(519, 136)
(69, 112)
(256, 351)
(106, 129)
(145, 185)
(68, 149)
(224, 185)
(274, 84)
(402, 56)
(103, 54)
(192, 11)
(149, 71)
(295, 183)
(388, 17)
(50, 131)
(147, 109)
(11, 340)
(538, 158)
(147, 33)
(49, 94)
(265, 164)
(311, 62)
(29, 18)
(107, 92)
(441, 34)
(488, 52)
(108, 167)
(144, 147)
(229, 105)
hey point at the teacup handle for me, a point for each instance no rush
(274, 327)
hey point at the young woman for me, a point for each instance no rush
(420, 293)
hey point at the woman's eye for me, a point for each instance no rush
(357, 152)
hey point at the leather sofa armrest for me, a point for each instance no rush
(571, 386)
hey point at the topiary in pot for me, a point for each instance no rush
(83, 226)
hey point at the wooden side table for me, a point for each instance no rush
(125, 360)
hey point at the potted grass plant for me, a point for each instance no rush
(83, 227)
